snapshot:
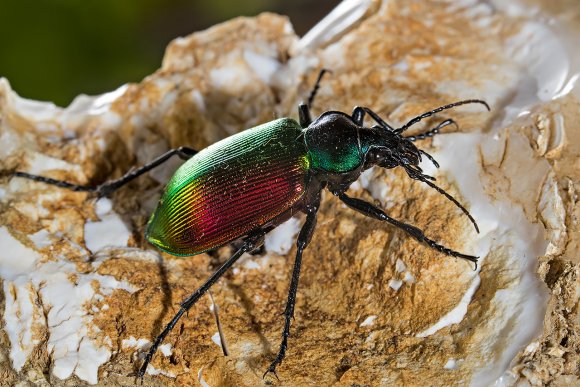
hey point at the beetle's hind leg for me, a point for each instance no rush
(109, 187)
(372, 211)
(303, 240)
(238, 243)
(251, 243)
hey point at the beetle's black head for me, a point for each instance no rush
(388, 149)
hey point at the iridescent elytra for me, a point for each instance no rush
(245, 185)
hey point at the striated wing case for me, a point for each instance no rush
(231, 188)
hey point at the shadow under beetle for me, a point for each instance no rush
(245, 185)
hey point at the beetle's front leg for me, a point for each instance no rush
(303, 240)
(372, 211)
(358, 115)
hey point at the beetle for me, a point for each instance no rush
(245, 185)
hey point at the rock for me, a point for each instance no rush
(84, 294)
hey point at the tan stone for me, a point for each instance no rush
(361, 318)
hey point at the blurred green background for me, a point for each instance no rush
(53, 50)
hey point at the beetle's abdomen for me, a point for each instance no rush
(231, 188)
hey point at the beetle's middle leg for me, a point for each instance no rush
(314, 90)
(251, 243)
(303, 240)
(373, 211)
(109, 187)
(304, 115)
(304, 108)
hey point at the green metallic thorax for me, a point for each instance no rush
(335, 144)
(343, 157)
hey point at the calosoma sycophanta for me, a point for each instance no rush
(242, 187)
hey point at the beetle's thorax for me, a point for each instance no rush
(333, 143)
(334, 147)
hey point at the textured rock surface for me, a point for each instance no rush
(83, 293)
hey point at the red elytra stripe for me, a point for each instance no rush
(228, 214)
(215, 212)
